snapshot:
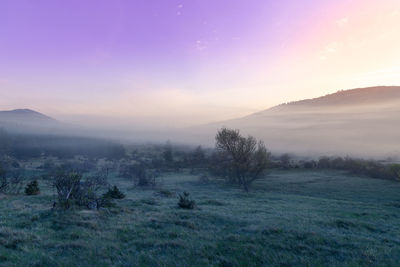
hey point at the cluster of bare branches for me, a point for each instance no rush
(243, 158)
(11, 180)
(72, 188)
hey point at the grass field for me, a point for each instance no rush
(292, 218)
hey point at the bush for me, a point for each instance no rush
(68, 187)
(32, 188)
(73, 189)
(371, 168)
(185, 202)
(114, 193)
(11, 180)
(309, 164)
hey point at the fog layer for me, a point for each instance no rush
(360, 122)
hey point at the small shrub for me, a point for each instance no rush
(114, 192)
(11, 180)
(32, 188)
(73, 189)
(67, 185)
(309, 164)
(369, 168)
(185, 202)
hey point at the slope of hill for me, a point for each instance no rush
(360, 122)
(27, 121)
(370, 96)
(24, 116)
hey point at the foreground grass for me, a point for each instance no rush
(291, 218)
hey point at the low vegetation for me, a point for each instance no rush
(114, 193)
(32, 188)
(294, 218)
(371, 168)
(185, 202)
(246, 207)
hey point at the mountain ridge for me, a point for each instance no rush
(24, 114)
(361, 121)
(357, 96)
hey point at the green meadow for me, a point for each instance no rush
(289, 218)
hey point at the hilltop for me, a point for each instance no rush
(362, 121)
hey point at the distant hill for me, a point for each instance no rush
(25, 116)
(27, 121)
(377, 95)
(363, 121)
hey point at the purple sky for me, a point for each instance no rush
(141, 35)
(211, 58)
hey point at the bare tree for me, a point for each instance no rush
(72, 188)
(67, 186)
(16, 181)
(11, 180)
(246, 158)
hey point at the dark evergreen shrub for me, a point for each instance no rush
(185, 202)
(114, 192)
(32, 188)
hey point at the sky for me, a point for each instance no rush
(184, 62)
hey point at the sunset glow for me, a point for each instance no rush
(192, 61)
